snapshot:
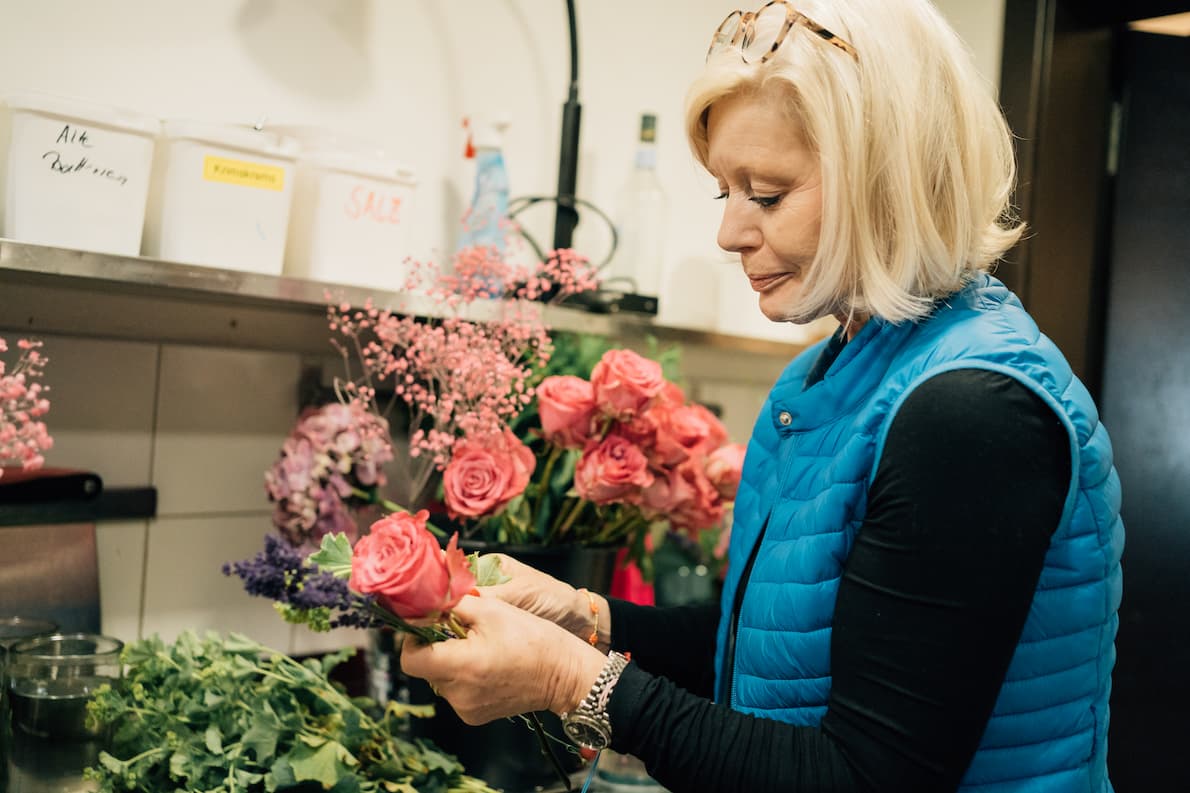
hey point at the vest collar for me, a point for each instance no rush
(848, 381)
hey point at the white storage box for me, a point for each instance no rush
(688, 293)
(74, 174)
(351, 219)
(220, 197)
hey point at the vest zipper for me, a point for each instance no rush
(738, 602)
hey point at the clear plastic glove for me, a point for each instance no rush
(510, 662)
(551, 599)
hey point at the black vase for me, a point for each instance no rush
(506, 753)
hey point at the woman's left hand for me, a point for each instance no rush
(510, 662)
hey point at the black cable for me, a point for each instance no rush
(519, 204)
(565, 213)
(573, 94)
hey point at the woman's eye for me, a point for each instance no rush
(767, 201)
(721, 196)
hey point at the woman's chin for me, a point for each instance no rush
(775, 305)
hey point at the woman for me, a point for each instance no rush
(925, 554)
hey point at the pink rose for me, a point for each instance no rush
(672, 394)
(685, 497)
(716, 432)
(401, 563)
(683, 431)
(613, 470)
(462, 580)
(567, 406)
(484, 475)
(641, 430)
(723, 468)
(625, 383)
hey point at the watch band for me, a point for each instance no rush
(588, 725)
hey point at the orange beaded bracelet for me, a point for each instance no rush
(593, 639)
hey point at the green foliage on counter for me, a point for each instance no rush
(219, 715)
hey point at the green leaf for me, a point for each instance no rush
(334, 556)
(261, 739)
(240, 644)
(438, 761)
(487, 569)
(247, 778)
(141, 652)
(214, 740)
(401, 709)
(331, 660)
(399, 787)
(281, 774)
(325, 764)
(349, 784)
(563, 474)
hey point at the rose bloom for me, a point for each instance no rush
(401, 563)
(625, 383)
(685, 497)
(671, 394)
(566, 405)
(716, 432)
(612, 470)
(683, 431)
(484, 475)
(723, 468)
(641, 430)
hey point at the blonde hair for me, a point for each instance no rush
(916, 158)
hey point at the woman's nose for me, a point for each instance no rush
(736, 231)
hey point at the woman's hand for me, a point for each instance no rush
(551, 599)
(510, 662)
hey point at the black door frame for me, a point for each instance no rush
(1060, 91)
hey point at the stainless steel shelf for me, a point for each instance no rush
(55, 290)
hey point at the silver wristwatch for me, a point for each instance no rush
(588, 725)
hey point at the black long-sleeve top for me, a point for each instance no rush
(933, 598)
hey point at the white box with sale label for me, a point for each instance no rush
(351, 220)
(74, 174)
(220, 197)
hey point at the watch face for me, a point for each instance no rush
(586, 731)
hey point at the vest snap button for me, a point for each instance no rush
(785, 418)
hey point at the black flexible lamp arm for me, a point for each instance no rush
(566, 215)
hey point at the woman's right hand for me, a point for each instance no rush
(547, 597)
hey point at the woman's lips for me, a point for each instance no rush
(760, 283)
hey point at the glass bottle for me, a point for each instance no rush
(641, 214)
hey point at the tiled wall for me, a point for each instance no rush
(202, 424)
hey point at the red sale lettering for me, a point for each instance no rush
(375, 206)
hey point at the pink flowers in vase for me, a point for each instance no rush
(621, 451)
(462, 378)
(23, 437)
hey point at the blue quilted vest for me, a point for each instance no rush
(812, 456)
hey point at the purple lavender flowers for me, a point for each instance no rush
(303, 593)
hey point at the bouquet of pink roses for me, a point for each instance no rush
(593, 461)
(618, 452)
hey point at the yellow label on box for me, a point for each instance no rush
(243, 173)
